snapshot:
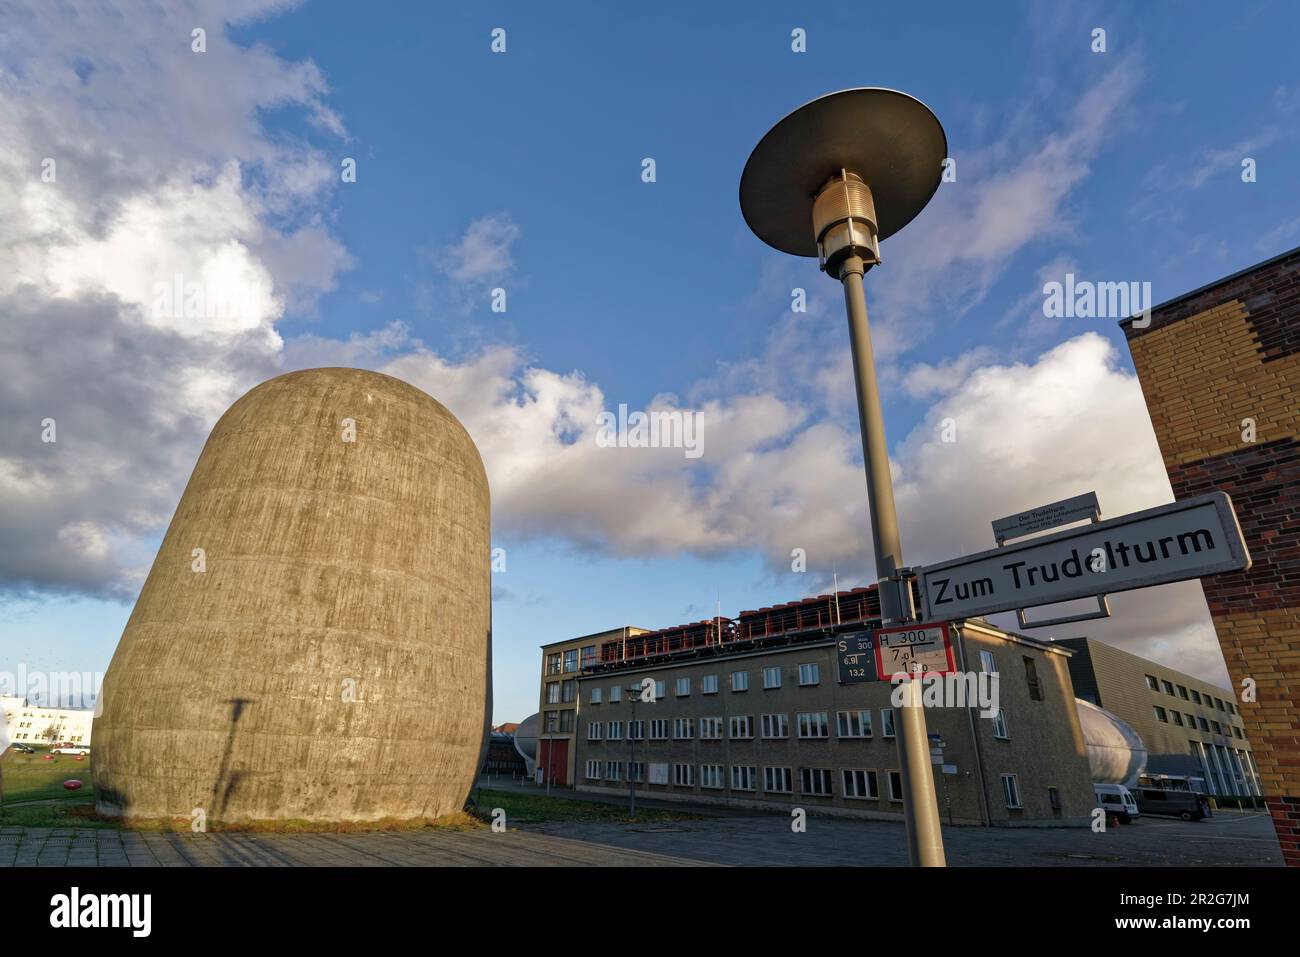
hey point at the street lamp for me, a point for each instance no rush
(634, 692)
(831, 180)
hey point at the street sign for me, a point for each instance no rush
(1065, 512)
(914, 649)
(857, 657)
(1188, 539)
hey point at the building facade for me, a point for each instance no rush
(561, 663)
(1220, 370)
(29, 724)
(1191, 728)
(751, 715)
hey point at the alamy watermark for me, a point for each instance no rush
(1085, 299)
(676, 429)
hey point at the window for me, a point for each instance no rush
(1182, 692)
(636, 730)
(570, 691)
(1218, 728)
(588, 656)
(595, 696)
(553, 664)
(988, 664)
(613, 770)
(860, 784)
(661, 690)
(1011, 791)
(658, 773)
(813, 724)
(742, 778)
(709, 684)
(1031, 679)
(614, 731)
(1000, 726)
(551, 722)
(659, 729)
(636, 771)
(853, 724)
(1237, 732)
(683, 687)
(771, 678)
(1054, 798)
(809, 674)
(1196, 696)
(740, 681)
(568, 720)
(895, 786)
(710, 775)
(1154, 684)
(776, 780)
(887, 722)
(1177, 718)
(615, 694)
(816, 781)
(683, 729)
(684, 775)
(1231, 709)
(1160, 714)
(1191, 719)
(776, 726)
(1167, 687)
(742, 726)
(571, 660)
(552, 692)
(593, 770)
(593, 731)
(1204, 725)
(710, 729)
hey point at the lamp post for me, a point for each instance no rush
(831, 180)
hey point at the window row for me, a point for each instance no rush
(809, 675)
(808, 725)
(1185, 720)
(855, 783)
(1161, 684)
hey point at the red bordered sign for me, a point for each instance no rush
(923, 649)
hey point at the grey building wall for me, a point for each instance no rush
(1118, 681)
(1044, 748)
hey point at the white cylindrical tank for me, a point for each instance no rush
(1116, 754)
(526, 741)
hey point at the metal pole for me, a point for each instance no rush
(920, 808)
(631, 742)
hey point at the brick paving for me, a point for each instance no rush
(1227, 839)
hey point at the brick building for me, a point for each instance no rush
(1220, 369)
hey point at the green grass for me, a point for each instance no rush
(537, 808)
(30, 777)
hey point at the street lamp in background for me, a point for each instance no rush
(633, 692)
(831, 180)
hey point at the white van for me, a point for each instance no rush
(1117, 800)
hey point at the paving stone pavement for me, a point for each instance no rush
(98, 847)
(758, 840)
(1226, 840)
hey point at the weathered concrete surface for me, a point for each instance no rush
(331, 566)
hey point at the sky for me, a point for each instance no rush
(127, 157)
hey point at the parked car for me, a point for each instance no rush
(70, 749)
(1188, 805)
(25, 749)
(1117, 800)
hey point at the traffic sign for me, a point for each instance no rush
(1187, 539)
(857, 657)
(914, 649)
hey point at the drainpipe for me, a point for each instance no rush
(974, 734)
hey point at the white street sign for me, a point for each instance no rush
(922, 649)
(1188, 539)
(1064, 512)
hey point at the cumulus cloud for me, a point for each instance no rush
(154, 236)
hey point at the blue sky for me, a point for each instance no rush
(523, 170)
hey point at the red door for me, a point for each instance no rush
(555, 762)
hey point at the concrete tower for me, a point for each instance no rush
(326, 656)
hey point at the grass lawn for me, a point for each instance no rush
(29, 777)
(535, 808)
